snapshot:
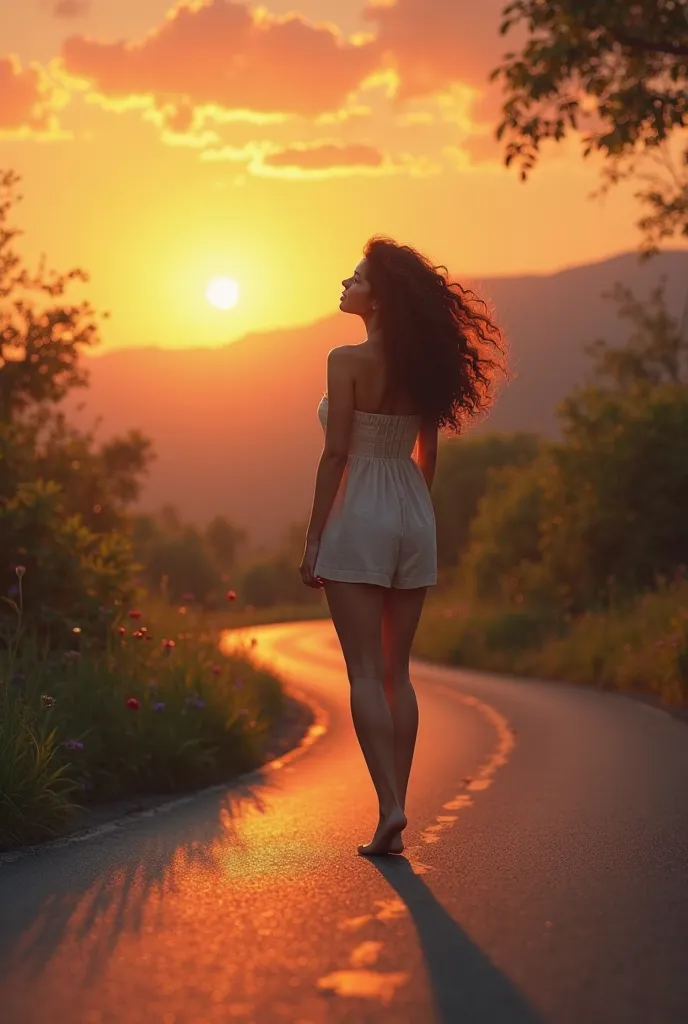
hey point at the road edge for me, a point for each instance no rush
(291, 736)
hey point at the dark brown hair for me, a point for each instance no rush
(442, 347)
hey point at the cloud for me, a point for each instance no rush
(71, 8)
(436, 43)
(220, 53)
(28, 100)
(315, 161)
(322, 156)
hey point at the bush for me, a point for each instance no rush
(155, 710)
(464, 467)
(36, 788)
(72, 572)
(638, 645)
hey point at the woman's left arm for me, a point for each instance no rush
(335, 453)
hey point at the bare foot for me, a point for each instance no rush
(387, 834)
(397, 845)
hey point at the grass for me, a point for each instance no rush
(155, 708)
(639, 645)
(241, 618)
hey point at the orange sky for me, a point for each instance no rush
(163, 144)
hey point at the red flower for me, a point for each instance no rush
(138, 634)
(133, 704)
(168, 645)
(135, 614)
(231, 595)
(121, 630)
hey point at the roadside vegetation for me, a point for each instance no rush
(109, 686)
(568, 559)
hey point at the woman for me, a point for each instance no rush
(427, 363)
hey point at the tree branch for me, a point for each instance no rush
(645, 46)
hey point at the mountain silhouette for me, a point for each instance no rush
(235, 428)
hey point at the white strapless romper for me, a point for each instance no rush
(381, 528)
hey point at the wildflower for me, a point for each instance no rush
(134, 614)
(74, 745)
(159, 705)
(133, 704)
(138, 634)
(121, 630)
(76, 629)
(20, 570)
(143, 630)
(195, 702)
(168, 646)
(231, 595)
(47, 701)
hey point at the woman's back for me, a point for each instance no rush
(372, 393)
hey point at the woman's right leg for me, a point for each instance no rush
(356, 610)
(401, 615)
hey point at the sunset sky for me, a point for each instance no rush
(164, 144)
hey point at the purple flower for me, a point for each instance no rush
(74, 745)
(159, 705)
(195, 702)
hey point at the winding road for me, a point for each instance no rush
(545, 879)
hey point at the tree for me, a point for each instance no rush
(655, 353)
(604, 511)
(505, 532)
(40, 341)
(63, 495)
(224, 541)
(614, 511)
(617, 72)
(463, 468)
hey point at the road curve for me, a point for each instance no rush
(546, 876)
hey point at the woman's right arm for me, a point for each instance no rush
(427, 451)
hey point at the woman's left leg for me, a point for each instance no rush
(356, 610)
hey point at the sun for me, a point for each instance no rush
(222, 292)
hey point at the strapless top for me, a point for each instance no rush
(379, 435)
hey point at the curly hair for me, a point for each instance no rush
(442, 347)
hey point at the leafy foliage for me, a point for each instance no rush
(63, 495)
(41, 335)
(617, 73)
(463, 469)
(158, 710)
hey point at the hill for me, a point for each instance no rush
(235, 428)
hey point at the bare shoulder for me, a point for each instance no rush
(342, 361)
(343, 355)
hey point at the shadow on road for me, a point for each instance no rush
(466, 985)
(122, 882)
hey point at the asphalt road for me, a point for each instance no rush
(546, 876)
